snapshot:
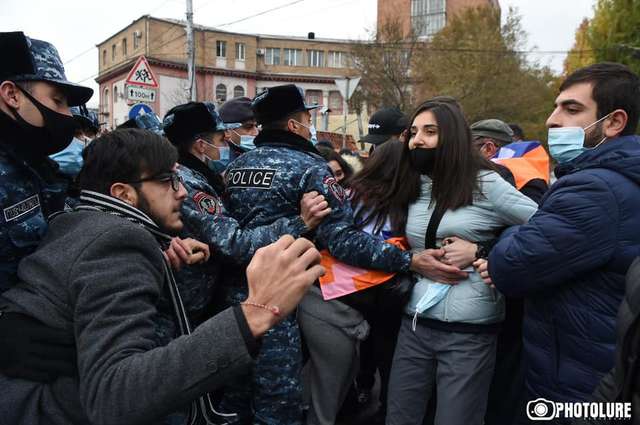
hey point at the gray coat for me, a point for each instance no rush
(98, 277)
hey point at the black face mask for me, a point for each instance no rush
(423, 159)
(56, 134)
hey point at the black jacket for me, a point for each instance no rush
(622, 383)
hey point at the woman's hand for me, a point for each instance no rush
(458, 252)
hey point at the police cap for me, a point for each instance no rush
(36, 60)
(277, 102)
(183, 122)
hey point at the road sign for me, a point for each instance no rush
(343, 86)
(142, 75)
(141, 94)
(139, 109)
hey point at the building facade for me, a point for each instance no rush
(228, 65)
(427, 17)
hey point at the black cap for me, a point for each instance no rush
(385, 123)
(183, 122)
(237, 110)
(277, 102)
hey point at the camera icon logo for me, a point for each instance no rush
(541, 409)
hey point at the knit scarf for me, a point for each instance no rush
(202, 411)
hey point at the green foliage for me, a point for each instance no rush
(581, 54)
(614, 32)
(479, 62)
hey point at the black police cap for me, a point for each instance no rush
(277, 102)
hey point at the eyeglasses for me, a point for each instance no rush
(174, 178)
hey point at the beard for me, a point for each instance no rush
(145, 207)
(595, 136)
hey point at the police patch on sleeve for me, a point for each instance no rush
(334, 187)
(207, 203)
(23, 207)
(250, 178)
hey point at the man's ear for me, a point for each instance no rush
(124, 192)
(10, 94)
(615, 124)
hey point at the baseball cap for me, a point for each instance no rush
(385, 123)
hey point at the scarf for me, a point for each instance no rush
(202, 411)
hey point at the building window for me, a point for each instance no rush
(240, 51)
(113, 52)
(272, 56)
(293, 57)
(428, 16)
(136, 39)
(124, 47)
(221, 49)
(337, 60)
(315, 58)
(104, 57)
(105, 102)
(335, 101)
(221, 93)
(313, 97)
(115, 94)
(238, 91)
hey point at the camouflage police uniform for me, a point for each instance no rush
(205, 219)
(264, 185)
(29, 188)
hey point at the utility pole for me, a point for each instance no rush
(345, 110)
(191, 55)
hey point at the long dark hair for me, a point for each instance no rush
(331, 155)
(457, 162)
(375, 195)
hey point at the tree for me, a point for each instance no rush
(581, 54)
(385, 66)
(614, 32)
(480, 63)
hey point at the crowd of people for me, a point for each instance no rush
(223, 266)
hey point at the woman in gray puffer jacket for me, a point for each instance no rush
(448, 335)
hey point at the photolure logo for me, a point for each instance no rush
(542, 409)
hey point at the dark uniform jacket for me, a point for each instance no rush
(267, 183)
(29, 193)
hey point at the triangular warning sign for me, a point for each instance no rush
(141, 74)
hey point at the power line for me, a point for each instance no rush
(261, 13)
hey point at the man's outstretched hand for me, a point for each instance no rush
(279, 275)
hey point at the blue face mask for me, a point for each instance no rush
(312, 131)
(567, 143)
(219, 165)
(246, 141)
(70, 159)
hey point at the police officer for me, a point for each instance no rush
(266, 184)
(196, 130)
(240, 139)
(70, 159)
(35, 122)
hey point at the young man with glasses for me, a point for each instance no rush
(99, 277)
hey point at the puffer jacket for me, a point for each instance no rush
(569, 262)
(496, 206)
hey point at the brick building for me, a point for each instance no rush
(426, 16)
(228, 65)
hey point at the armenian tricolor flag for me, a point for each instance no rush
(342, 279)
(525, 160)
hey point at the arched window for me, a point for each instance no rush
(238, 91)
(221, 93)
(115, 94)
